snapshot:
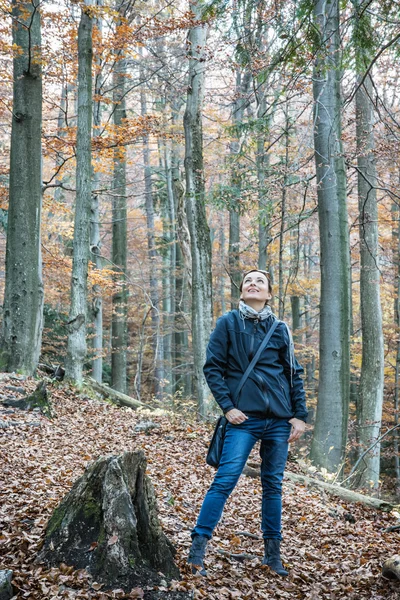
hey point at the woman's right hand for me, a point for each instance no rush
(235, 416)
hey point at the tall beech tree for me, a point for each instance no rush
(330, 432)
(77, 322)
(195, 206)
(22, 324)
(370, 399)
(119, 324)
(95, 231)
(243, 78)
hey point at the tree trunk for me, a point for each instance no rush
(310, 366)
(239, 104)
(195, 204)
(183, 271)
(77, 324)
(119, 324)
(22, 324)
(157, 373)
(369, 406)
(108, 525)
(330, 433)
(282, 288)
(397, 367)
(169, 277)
(95, 237)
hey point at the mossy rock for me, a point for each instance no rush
(38, 399)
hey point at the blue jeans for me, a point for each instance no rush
(239, 441)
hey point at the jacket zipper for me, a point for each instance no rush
(259, 378)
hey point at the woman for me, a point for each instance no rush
(271, 408)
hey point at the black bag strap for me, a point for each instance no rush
(257, 355)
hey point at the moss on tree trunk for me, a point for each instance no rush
(108, 524)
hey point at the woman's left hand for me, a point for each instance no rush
(298, 428)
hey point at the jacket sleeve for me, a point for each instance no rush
(215, 366)
(293, 374)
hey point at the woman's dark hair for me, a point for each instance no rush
(257, 271)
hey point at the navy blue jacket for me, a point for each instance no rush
(270, 390)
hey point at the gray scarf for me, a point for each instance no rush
(247, 312)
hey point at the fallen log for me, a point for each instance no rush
(108, 525)
(335, 490)
(116, 397)
(391, 567)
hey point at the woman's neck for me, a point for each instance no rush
(258, 306)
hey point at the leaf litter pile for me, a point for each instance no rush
(332, 549)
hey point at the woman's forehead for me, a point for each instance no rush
(256, 275)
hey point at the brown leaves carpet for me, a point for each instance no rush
(328, 556)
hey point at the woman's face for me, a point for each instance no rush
(255, 289)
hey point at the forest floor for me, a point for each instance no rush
(332, 549)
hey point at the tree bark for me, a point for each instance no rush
(157, 342)
(330, 432)
(108, 525)
(77, 324)
(22, 324)
(243, 77)
(95, 236)
(282, 288)
(370, 401)
(195, 205)
(119, 324)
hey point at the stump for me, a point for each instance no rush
(391, 567)
(108, 525)
(6, 590)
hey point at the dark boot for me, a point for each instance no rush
(196, 555)
(272, 557)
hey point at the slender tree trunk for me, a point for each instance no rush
(169, 287)
(119, 324)
(195, 204)
(95, 236)
(396, 403)
(294, 267)
(222, 262)
(239, 104)
(369, 413)
(282, 288)
(77, 324)
(158, 377)
(330, 432)
(61, 124)
(22, 324)
(183, 270)
(310, 366)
